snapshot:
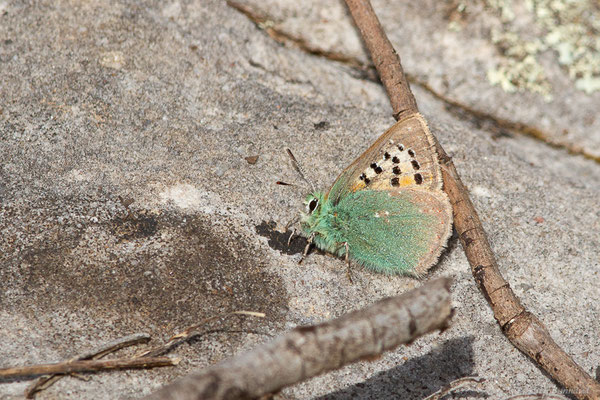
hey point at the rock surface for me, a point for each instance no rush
(542, 56)
(131, 198)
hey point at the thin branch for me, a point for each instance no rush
(87, 366)
(191, 331)
(385, 59)
(46, 381)
(454, 385)
(312, 350)
(521, 327)
(536, 396)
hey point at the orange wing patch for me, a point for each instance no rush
(407, 180)
(356, 186)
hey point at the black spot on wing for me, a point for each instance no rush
(411, 153)
(395, 160)
(415, 164)
(418, 179)
(386, 155)
(395, 182)
(364, 178)
(396, 170)
(376, 168)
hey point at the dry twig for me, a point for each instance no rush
(46, 381)
(454, 385)
(309, 351)
(521, 327)
(68, 367)
(536, 396)
(191, 331)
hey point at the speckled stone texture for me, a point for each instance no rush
(131, 199)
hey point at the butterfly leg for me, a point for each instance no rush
(292, 236)
(308, 244)
(348, 271)
(291, 222)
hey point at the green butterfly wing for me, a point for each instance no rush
(394, 232)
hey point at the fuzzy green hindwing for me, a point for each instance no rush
(388, 232)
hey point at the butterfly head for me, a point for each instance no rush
(314, 206)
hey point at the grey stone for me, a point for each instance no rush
(533, 65)
(127, 204)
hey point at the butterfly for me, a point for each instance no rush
(387, 210)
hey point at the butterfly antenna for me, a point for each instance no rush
(299, 170)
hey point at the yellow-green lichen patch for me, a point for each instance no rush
(520, 69)
(567, 28)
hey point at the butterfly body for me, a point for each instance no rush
(386, 210)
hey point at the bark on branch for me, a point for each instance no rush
(521, 327)
(86, 366)
(44, 382)
(309, 351)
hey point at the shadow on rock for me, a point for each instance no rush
(418, 377)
